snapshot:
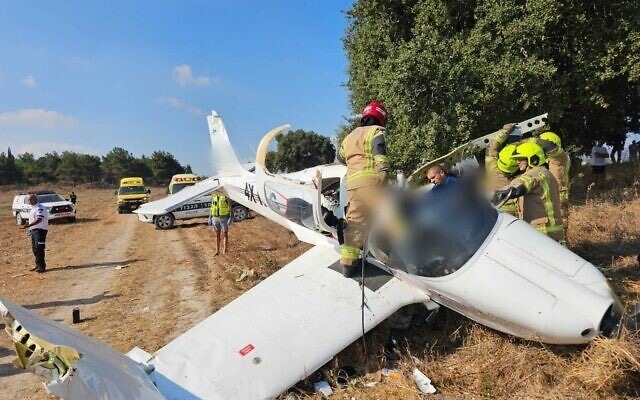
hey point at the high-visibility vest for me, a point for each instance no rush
(219, 206)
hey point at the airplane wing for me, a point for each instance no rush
(184, 196)
(461, 152)
(256, 347)
(277, 333)
(77, 366)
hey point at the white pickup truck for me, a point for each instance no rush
(56, 205)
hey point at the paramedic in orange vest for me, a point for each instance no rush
(364, 153)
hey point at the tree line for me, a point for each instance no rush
(71, 167)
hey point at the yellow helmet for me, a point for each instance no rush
(507, 164)
(532, 152)
(552, 137)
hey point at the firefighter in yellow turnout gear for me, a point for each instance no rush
(500, 167)
(363, 151)
(219, 217)
(559, 163)
(536, 190)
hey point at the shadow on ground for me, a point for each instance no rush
(105, 264)
(75, 302)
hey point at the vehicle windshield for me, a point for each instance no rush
(179, 186)
(443, 230)
(132, 190)
(49, 198)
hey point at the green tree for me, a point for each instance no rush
(78, 168)
(69, 169)
(116, 164)
(300, 149)
(90, 170)
(164, 166)
(9, 171)
(46, 168)
(28, 167)
(141, 167)
(449, 70)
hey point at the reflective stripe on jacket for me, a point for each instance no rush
(219, 206)
(540, 206)
(365, 154)
(559, 164)
(496, 179)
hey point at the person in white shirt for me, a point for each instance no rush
(38, 227)
(599, 155)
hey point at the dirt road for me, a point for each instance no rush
(135, 285)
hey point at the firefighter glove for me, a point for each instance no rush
(501, 196)
(509, 127)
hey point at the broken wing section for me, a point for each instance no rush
(278, 332)
(76, 366)
(184, 196)
(459, 157)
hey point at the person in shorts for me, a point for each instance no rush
(219, 219)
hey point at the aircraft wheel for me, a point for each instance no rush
(164, 221)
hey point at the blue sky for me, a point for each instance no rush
(88, 76)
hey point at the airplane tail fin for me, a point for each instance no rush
(225, 161)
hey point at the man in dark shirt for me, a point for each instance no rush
(439, 177)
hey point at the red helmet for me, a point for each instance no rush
(377, 110)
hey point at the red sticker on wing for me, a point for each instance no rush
(246, 350)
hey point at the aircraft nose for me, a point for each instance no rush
(568, 324)
(611, 321)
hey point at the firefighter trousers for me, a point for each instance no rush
(361, 205)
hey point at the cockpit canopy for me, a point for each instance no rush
(441, 230)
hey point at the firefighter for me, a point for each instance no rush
(364, 153)
(500, 167)
(559, 163)
(536, 190)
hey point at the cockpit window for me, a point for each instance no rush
(443, 230)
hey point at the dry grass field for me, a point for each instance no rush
(172, 281)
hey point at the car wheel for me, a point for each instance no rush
(240, 213)
(19, 219)
(71, 219)
(164, 221)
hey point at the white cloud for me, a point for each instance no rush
(178, 104)
(184, 76)
(40, 148)
(80, 62)
(29, 81)
(37, 117)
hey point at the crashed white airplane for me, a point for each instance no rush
(457, 251)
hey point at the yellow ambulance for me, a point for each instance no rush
(131, 194)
